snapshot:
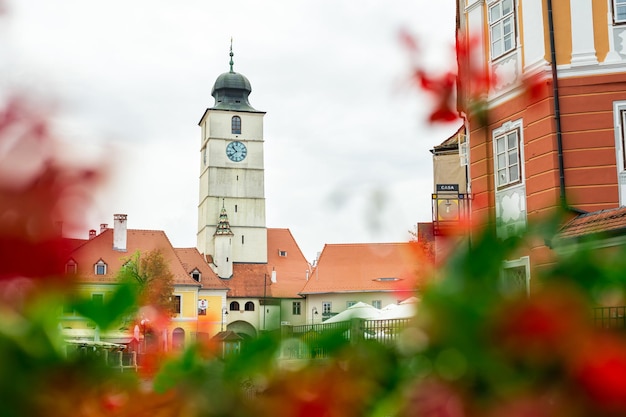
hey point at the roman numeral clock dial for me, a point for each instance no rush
(236, 151)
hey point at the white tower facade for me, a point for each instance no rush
(232, 175)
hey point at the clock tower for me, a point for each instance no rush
(232, 175)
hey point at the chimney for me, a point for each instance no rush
(103, 227)
(119, 232)
(92, 234)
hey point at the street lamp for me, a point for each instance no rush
(224, 314)
(313, 314)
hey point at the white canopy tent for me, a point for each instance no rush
(359, 310)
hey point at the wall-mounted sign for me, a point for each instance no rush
(448, 210)
(447, 187)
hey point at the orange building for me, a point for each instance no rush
(552, 133)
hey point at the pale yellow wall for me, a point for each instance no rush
(74, 321)
(188, 302)
(287, 311)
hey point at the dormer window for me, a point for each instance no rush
(235, 125)
(195, 274)
(71, 267)
(100, 268)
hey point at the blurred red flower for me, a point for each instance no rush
(546, 325)
(38, 193)
(599, 368)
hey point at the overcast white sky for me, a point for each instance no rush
(346, 143)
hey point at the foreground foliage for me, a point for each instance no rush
(470, 351)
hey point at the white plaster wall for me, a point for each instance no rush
(223, 258)
(533, 43)
(220, 125)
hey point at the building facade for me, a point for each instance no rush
(550, 130)
(199, 296)
(377, 274)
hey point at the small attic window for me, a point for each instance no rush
(100, 268)
(71, 267)
(387, 279)
(282, 253)
(195, 274)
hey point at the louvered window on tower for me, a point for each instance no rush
(236, 125)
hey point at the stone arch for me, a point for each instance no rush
(243, 329)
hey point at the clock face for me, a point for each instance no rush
(236, 151)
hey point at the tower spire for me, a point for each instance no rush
(231, 55)
(223, 227)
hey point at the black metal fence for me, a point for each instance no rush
(610, 317)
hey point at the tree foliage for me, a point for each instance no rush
(155, 281)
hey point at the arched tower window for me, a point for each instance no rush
(249, 306)
(234, 306)
(235, 125)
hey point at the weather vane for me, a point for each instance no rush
(231, 54)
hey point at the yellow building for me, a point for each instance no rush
(198, 294)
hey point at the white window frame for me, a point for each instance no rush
(497, 27)
(506, 152)
(523, 261)
(194, 272)
(350, 303)
(377, 304)
(619, 120)
(619, 6)
(102, 264)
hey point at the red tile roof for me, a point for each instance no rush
(255, 280)
(192, 259)
(610, 221)
(101, 248)
(365, 267)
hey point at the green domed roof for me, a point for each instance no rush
(231, 90)
(232, 80)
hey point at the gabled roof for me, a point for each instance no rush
(101, 248)
(255, 280)
(608, 222)
(452, 143)
(366, 267)
(192, 259)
